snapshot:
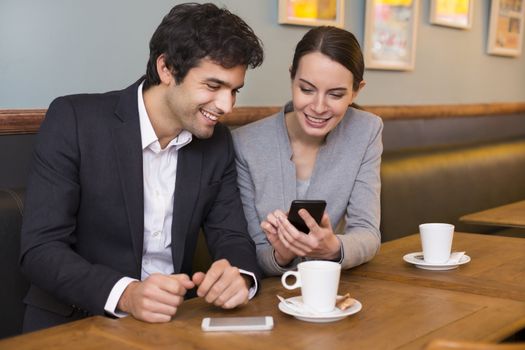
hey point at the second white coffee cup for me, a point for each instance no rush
(436, 241)
(319, 282)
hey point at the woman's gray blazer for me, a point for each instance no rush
(346, 175)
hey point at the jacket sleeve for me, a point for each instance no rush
(225, 225)
(48, 236)
(361, 239)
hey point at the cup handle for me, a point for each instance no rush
(297, 276)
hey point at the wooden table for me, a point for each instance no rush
(497, 267)
(510, 215)
(394, 315)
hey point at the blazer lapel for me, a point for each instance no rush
(128, 151)
(187, 188)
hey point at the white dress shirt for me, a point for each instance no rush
(159, 176)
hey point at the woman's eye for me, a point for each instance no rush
(306, 90)
(336, 96)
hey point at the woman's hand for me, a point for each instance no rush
(321, 242)
(283, 255)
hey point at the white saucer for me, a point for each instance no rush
(332, 316)
(417, 259)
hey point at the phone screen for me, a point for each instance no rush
(314, 207)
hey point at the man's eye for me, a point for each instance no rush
(235, 92)
(212, 86)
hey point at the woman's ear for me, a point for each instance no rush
(356, 92)
(163, 71)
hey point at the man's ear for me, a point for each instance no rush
(165, 74)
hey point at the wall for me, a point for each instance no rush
(56, 47)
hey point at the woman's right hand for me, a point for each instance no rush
(283, 255)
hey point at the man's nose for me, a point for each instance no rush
(225, 102)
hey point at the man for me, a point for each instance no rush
(122, 182)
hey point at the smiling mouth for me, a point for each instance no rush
(317, 120)
(209, 115)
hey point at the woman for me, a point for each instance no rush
(318, 147)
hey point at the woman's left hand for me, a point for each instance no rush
(321, 242)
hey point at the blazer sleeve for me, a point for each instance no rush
(225, 224)
(52, 200)
(361, 239)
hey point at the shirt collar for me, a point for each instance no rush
(147, 132)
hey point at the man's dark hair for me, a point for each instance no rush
(191, 32)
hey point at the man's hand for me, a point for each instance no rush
(155, 299)
(223, 285)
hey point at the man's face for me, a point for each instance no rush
(207, 92)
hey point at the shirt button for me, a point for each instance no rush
(156, 233)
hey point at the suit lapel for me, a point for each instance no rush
(128, 151)
(187, 188)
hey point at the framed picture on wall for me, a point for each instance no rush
(506, 27)
(452, 13)
(312, 12)
(390, 34)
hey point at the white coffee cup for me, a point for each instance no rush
(436, 241)
(319, 281)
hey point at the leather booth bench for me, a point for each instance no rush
(444, 162)
(441, 184)
(13, 284)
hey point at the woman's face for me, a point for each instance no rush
(321, 93)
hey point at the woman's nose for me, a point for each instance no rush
(319, 105)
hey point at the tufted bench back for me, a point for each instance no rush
(443, 183)
(14, 285)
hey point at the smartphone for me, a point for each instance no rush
(222, 324)
(314, 207)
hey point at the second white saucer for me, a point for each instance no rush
(417, 260)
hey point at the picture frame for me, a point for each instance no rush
(506, 27)
(312, 12)
(390, 34)
(452, 13)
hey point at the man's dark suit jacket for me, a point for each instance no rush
(84, 215)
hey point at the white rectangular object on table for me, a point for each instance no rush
(223, 324)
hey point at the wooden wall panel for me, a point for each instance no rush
(27, 121)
